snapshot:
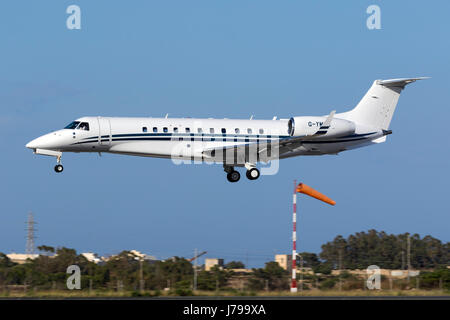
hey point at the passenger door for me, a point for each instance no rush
(104, 131)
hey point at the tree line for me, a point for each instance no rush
(126, 271)
(388, 251)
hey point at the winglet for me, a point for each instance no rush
(329, 118)
(326, 125)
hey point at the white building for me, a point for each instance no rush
(284, 260)
(92, 257)
(137, 255)
(143, 256)
(211, 262)
(21, 258)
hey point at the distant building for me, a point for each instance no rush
(92, 257)
(143, 256)
(400, 274)
(21, 258)
(211, 262)
(284, 260)
(241, 270)
(137, 255)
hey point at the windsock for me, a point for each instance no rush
(303, 188)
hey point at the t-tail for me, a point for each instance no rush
(377, 107)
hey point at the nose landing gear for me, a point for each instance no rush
(59, 168)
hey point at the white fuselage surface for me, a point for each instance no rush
(231, 142)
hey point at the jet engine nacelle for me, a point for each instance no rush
(308, 126)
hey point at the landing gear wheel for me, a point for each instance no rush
(233, 176)
(59, 168)
(252, 174)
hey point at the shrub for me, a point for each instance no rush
(327, 284)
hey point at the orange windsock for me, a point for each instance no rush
(303, 188)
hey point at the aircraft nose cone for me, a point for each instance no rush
(32, 144)
(43, 142)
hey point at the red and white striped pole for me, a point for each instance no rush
(302, 188)
(294, 241)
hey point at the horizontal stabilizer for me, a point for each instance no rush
(400, 82)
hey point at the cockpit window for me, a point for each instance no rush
(73, 125)
(84, 126)
(77, 125)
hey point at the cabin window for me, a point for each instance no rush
(155, 129)
(224, 130)
(199, 130)
(211, 130)
(165, 129)
(236, 130)
(249, 131)
(261, 131)
(175, 130)
(144, 129)
(84, 126)
(188, 130)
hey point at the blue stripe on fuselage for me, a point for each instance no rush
(211, 137)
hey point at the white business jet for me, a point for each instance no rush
(233, 143)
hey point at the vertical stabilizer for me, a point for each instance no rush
(377, 107)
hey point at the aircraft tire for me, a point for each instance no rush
(59, 168)
(233, 176)
(252, 174)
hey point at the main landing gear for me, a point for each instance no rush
(252, 174)
(234, 176)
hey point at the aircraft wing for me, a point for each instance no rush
(268, 148)
(260, 151)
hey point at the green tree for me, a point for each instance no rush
(387, 251)
(235, 265)
(214, 279)
(47, 249)
(310, 260)
(5, 262)
(272, 276)
(433, 280)
(160, 274)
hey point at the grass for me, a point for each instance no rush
(62, 294)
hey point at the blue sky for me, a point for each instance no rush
(219, 59)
